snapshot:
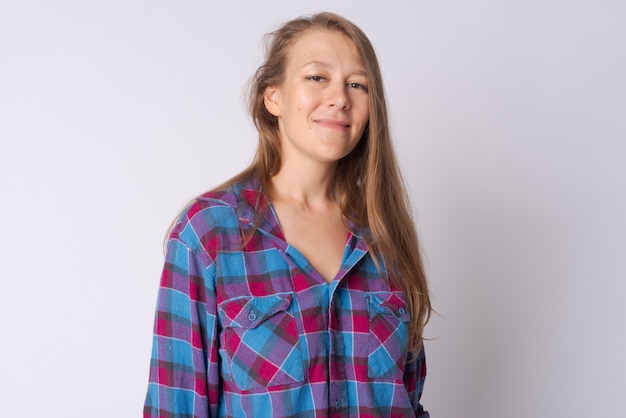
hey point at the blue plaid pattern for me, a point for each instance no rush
(252, 330)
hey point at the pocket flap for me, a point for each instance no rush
(390, 304)
(250, 311)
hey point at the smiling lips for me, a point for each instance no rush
(333, 124)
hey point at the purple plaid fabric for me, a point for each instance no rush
(254, 331)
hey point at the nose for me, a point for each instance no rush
(338, 96)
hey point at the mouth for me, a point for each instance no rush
(333, 124)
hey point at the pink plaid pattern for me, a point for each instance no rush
(254, 330)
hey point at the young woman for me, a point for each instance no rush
(297, 288)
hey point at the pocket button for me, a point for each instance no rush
(252, 316)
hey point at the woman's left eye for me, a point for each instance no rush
(357, 86)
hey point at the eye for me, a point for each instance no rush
(358, 86)
(317, 78)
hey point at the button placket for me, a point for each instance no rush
(337, 389)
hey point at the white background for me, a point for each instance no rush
(510, 123)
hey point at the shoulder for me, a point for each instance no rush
(215, 214)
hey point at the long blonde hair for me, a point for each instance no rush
(368, 184)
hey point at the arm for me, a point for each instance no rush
(184, 375)
(414, 378)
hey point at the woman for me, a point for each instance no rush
(297, 288)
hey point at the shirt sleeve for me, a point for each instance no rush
(414, 378)
(184, 375)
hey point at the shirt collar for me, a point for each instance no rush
(253, 206)
(255, 209)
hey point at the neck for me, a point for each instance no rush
(305, 186)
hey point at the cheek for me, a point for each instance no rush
(364, 116)
(362, 111)
(304, 100)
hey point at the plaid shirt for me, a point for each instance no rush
(255, 331)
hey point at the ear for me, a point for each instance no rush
(270, 98)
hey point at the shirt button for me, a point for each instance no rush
(401, 311)
(252, 316)
(338, 404)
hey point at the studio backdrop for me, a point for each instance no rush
(509, 119)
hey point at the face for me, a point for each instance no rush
(322, 105)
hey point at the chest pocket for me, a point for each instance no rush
(259, 341)
(389, 335)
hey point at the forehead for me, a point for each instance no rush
(326, 48)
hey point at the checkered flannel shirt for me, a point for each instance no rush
(255, 331)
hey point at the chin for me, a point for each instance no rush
(334, 157)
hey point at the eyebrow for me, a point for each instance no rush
(325, 64)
